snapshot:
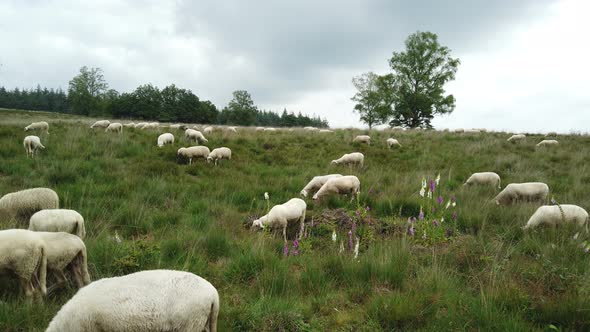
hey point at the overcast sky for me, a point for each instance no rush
(524, 64)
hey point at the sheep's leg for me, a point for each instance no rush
(301, 226)
(285, 234)
(27, 287)
(190, 161)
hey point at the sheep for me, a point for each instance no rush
(340, 185)
(115, 126)
(556, 214)
(101, 124)
(529, 191)
(151, 125)
(166, 138)
(280, 215)
(350, 158)
(398, 128)
(42, 126)
(218, 154)
(26, 202)
(140, 125)
(459, 130)
(310, 128)
(32, 145)
(231, 129)
(58, 220)
(148, 301)
(23, 253)
(484, 178)
(471, 131)
(192, 152)
(259, 128)
(316, 183)
(547, 142)
(391, 142)
(129, 125)
(326, 131)
(516, 138)
(362, 139)
(208, 130)
(174, 126)
(65, 251)
(270, 129)
(551, 134)
(196, 135)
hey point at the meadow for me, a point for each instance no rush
(489, 275)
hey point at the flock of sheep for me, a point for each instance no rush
(53, 244)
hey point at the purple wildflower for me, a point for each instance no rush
(367, 209)
(452, 198)
(353, 228)
(349, 240)
(435, 223)
(455, 215)
(286, 250)
(358, 212)
(440, 200)
(421, 215)
(432, 185)
(296, 244)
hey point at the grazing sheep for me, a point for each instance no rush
(231, 129)
(259, 128)
(280, 215)
(115, 126)
(58, 220)
(316, 183)
(101, 124)
(529, 191)
(471, 131)
(65, 251)
(32, 145)
(548, 142)
(398, 128)
(362, 139)
(551, 134)
(350, 159)
(208, 130)
(192, 152)
(392, 141)
(147, 301)
(140, 125)
(42, 126)
(23, 253)
(349, 184)
(516, 138)
(269, 129)
(326, 131)
(151, 125)
(26, 202)
(459, 130)
(218, 154)
(191, 134)
(129, 125)
(554, 215)
(174, 126)
(166, 138)
(310, 128)
(484, 178)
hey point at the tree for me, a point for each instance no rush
(240, 110)
(370, 104)
(416, 85)
(85, 91)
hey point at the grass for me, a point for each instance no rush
(492, 276)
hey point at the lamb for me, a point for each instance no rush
(218, 154)
(129, 125)
(316, 183)
(391, 142)
(58, 220)
(548, 142)
(554, 215)
(101, 124)
(23, 253)
(140, 125)
(280, 215)
(196, 135)
(148, 301)
(65, 251)
(115, 126)
(350, 158)
(208, 130)
(362, 139)
(42, 126)
(340, 185)
(516, 138)
(26, 202)
(484, 178)
(192, 152)
(32, 145)
(529, 191)
(166, 138)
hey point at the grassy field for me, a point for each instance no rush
(490, 275)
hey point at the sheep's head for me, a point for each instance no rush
(303, 193)
(27, 128)
(316, 197)
(209, 159)
(334, 162)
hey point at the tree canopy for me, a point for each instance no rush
(370, 103)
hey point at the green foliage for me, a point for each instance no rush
(86, 91)
(370, 104)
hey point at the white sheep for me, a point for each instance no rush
(166, 138)
(310, 128)
(326, 131)
(280, 215)
(270, 129)
(459, 130)
(356, 158)
(23, 253)
(548, 142)
(557, 214)
(529, 191)
(129, 125)
(218, 154)
(232, 129)
(259, 128)
(174, 126)
(147, 301)
(484, 178)
(65, 251)
(193, 152)
(28, 201)
(208, 130)
(516, 138)
(32, 145)
(471, 131)
(115, 126)
(192, 134)
(398, 128)
(316, 183)
(348, 184)
(101, 124)
(58, 220)
(362, 139)
(551, 134)
(392, 142)
(140, 125)
(41, 125)
(151, 125)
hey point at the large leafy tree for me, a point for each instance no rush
(416, 86)
(86, 90)
(370, 103)
(240, 110)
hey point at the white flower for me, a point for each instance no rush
(266, 197)
(422, 191)
(424, 183)
(442, 219)
(334, 236)
(429, 194)
(437, 179)
(576, 236)
(448, 204)
(356, 248)
(454, 204)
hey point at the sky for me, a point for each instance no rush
(523, 63)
